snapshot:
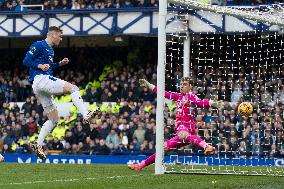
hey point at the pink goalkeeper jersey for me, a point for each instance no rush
(186, 105)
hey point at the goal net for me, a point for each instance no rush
(232, 66)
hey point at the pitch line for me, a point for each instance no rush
(63, 180)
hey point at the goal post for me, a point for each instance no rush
(186, 56)
(159, 169)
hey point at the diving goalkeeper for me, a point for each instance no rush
(187, 102)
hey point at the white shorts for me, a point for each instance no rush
(45, 87)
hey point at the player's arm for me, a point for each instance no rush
(63, 62)
(168, 95)
(31, 59)
(199, 102)
(205, 102)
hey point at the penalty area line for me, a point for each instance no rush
(63, 180)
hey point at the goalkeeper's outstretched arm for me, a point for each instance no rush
(145, 83)
(168, 95)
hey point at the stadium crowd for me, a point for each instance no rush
(16, 5)
(128, 125)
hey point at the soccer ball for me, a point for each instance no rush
(245, 109)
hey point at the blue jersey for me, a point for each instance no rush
(40, 53)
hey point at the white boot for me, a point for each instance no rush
(1, 158)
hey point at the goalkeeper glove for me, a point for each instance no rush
(217, 104)
(145, 83)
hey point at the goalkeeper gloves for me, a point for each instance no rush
(217, 103)
(145, 83)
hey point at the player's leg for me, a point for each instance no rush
(48, 125)
(42, 87)
(170, 144)
(197, 141)
(56, 86)
(78, 101)
(190, 137)
(52, 114)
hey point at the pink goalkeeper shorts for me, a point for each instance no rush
(185, 126)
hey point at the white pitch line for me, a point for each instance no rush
(62, 180)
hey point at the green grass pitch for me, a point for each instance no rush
(70, 176)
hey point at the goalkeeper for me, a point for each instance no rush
(185, 119)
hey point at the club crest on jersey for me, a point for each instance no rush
(184, 99)
(50, 58)
(32, 51)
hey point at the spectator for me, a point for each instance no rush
(1, 3)
(265, 97)
(6, 138)
(80, 135)
(237, 94)
(20, 3)
(46, 5)
(154, 3)
(56, 5)
(101, 148)
(113, 139)
(141, 3)
(92, 95)
(56, 144)
(69, 137)
(274, 152)
(109, 4)
(104, 130)
(75, 5)
(117, 4)
(65, 5)
(139, 133)
(243, 151)
(2, 97)
(94, 132)
(8, 6)
(31, 127)
(67, 149)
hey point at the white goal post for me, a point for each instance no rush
(159, 169)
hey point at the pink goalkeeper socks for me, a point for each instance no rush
(173, 143)
(149, 160)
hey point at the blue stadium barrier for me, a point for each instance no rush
(125, 159)
(74, 159)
